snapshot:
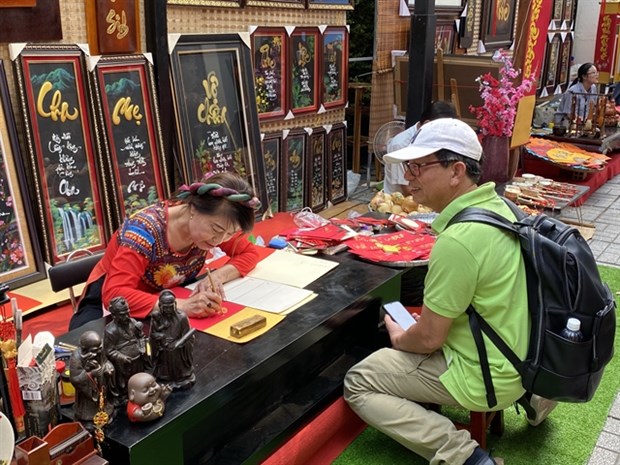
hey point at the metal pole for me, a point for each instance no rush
(421, 54)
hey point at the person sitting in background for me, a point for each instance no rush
(394, 180)
(165, 245)
(584, 89)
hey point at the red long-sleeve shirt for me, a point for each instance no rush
(138, 262)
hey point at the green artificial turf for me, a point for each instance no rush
(568, 436)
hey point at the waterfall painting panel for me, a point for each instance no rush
(335, 54)
(337, 163)
(215, 107)
(316, 170)
(64, 167)
(272, 157)
(293, 171)
(21, 262)
(132, 144)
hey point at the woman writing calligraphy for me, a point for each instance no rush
(165, 245)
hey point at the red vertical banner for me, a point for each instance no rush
(536, 39)
(605, 40)
(530, 58)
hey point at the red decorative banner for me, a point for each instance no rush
(536, 39)
(605, 37)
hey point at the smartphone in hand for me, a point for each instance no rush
(399, 314)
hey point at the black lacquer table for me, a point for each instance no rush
(250, 398)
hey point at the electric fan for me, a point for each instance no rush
(383, 136)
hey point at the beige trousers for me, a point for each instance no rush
(386, 389)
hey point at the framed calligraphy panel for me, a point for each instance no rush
(113, 26)
(337, 163)
(272, 159)
(569, 11)
(270, 66)
(131, 140)
(277, 3)
(215, 107)
(557, 12)
(498, 23)
(293, 196)
(466, 30)
(317, 170)
(550, 76)
(444, 35)
(335, 55)
(52, 84)
(563, 69)
(304, 70)
(21, 262)
(330, 4)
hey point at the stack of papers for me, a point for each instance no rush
(277, 283)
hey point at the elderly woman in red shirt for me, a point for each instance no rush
(165, 245)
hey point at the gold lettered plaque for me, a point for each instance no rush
(113, 26)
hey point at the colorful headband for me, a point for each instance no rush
(216, 190)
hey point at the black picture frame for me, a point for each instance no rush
(337, 163)
(131, 140)
(316, 169)
(71, 205)
(272, 160)
(498, 23)
(215, 107)
(270, 58)
(304, 72)
(293, 178)
(21, 261)
(335, 65)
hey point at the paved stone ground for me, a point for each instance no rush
(602, 209)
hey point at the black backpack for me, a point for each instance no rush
(562, 282)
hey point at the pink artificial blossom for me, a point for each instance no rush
(496, 117)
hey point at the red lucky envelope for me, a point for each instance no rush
(401, 246)
(329, 232)
(203, 323)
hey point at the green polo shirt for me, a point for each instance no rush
(482, 265)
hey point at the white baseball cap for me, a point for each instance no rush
(443, 133)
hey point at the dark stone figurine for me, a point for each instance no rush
(91, 374)
(172, 343)
(146, 398)
(124, 343)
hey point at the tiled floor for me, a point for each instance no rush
(602, 209)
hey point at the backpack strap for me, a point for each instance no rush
(482, 215)
(478, 326)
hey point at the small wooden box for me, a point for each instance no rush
(247, 326)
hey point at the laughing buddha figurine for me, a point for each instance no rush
(145, 398)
